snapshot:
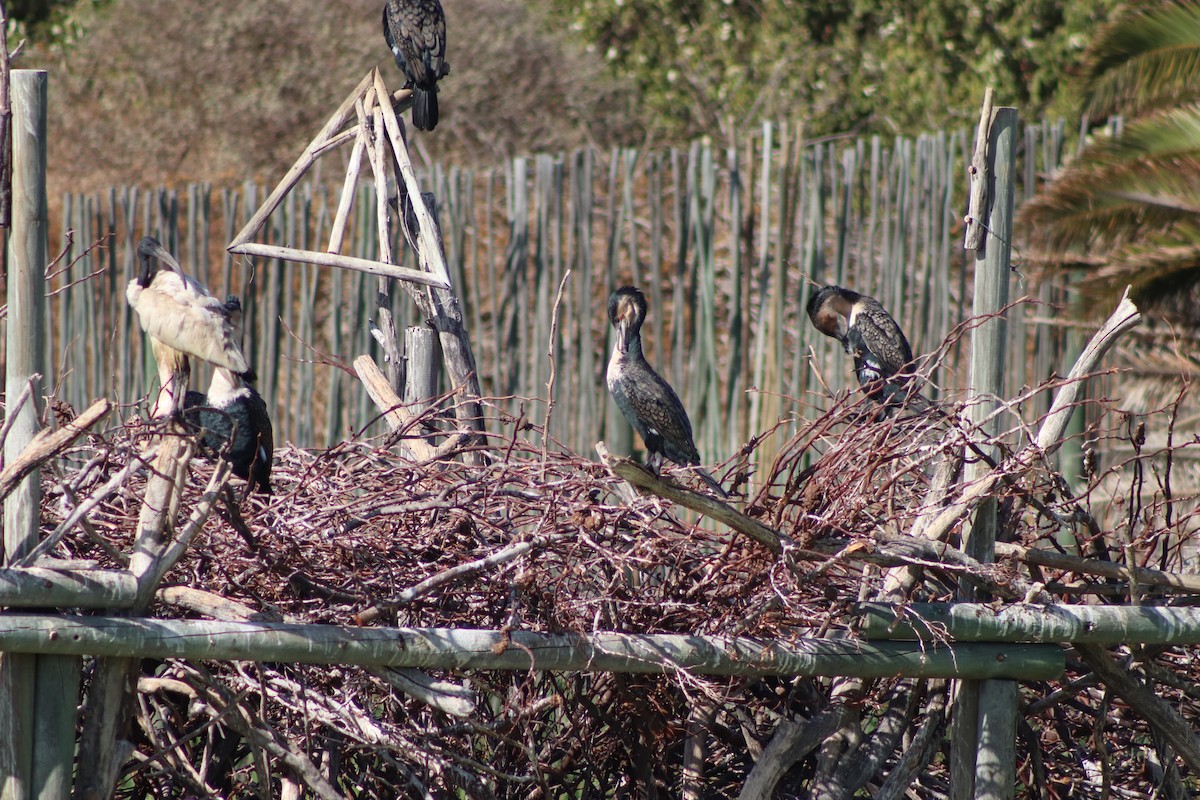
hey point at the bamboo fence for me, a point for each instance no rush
(723, 238)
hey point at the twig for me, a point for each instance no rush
(1165, 719)
(453, 574)
(227, 707)
(553, 364)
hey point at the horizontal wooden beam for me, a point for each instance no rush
(976, 622)
(446, 648)
(339, 261)
(40, 587)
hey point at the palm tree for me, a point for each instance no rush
(1126, 210)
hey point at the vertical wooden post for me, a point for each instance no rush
(38, 694)
(422, 372)
(983, 764)
(26, 296)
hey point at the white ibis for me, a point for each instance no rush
(183, 320)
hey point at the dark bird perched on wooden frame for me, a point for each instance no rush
(882, 355)
(415, 31)
(646, 400)
(234, 419)
(182, 320)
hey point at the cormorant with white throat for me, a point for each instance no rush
(646, 400)
(882, 355)
(234, 418)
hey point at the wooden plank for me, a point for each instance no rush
(452, 648)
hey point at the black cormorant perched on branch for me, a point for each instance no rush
(882, 355)
(415, 31)
(183, 320)
(234, 418)
(646, 400)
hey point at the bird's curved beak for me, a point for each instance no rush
(159, 252)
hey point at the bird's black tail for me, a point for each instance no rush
(425, 108)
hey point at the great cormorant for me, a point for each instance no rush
(234, 418)
(236, 424)
(646, 400)
(882, 355)
(183, 320)
(415, 31)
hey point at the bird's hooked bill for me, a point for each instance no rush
(148, 248)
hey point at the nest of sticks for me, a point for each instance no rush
(360, 533)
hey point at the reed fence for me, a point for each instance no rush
(723, 238)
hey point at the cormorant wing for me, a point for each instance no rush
(665, 416)
(260, 420)
(415, 30)
(881, 337)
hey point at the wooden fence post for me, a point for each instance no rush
(38, 694)
(983, 764)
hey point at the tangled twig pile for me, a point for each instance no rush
(554, 542)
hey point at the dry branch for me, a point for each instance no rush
(397, 417)
(792, 741)
(1164, 719)
(629, 470)
(47, 444)
(1050, 435)
(222, 705)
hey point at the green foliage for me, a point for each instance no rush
(863, 65)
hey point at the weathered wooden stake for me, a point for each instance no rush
(5, 124)
(422, 368)
(38, 694)
(983, 760)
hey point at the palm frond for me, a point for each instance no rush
(1145, 60)
(1119, 190)
(1164, 273)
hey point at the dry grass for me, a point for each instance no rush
(153, 93)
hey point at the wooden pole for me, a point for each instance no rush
(41, 587)
(5, 124)
(421, 371)
(1077, 624)
(38, 695)
(452, 648)
(23, 364)
(988, 772)
(26, 300)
